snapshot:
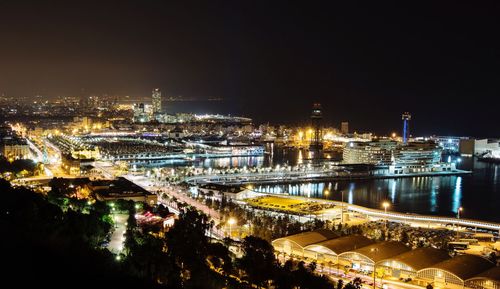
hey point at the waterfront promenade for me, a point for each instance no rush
(369, 213)
(299, 176)
(411, 219)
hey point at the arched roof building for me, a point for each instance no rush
(489, 279)
(295, 244)
(340, 245)
(455, 270)
(366, 257)
(408, 263)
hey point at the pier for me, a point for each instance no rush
(306, 175)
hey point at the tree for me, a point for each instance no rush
(404, 237)
(493, 257)
(187, 246)
(340, 284)
(162, 211)
(258, 251)
(220, 257)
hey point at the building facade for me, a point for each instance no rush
(156, 101)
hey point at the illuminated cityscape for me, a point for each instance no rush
(149, 144)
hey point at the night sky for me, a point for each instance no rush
(366, 63)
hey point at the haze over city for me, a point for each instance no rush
(365, 62)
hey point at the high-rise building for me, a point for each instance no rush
(344, 127)
(156, 101)
(141, 112)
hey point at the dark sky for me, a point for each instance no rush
(365, 62)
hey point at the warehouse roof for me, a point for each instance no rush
(421, 258)
(380, 251)
(340, 245)
(307, 238)
(464, 266)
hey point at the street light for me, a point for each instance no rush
(231, 222)
(386, 205)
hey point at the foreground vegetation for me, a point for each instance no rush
(56, 241)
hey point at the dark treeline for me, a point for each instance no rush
(55, 241)
(17, 166)
(43, 246)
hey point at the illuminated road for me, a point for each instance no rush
(118, 237)
(181, 195)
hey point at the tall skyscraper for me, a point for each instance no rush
(344, 127)
(156, 101)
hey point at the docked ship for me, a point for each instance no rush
(233, 150)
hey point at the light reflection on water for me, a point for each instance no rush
(478, 194)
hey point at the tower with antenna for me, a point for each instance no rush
(406, 117)
(316, 119)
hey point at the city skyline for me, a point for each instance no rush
(365, 63)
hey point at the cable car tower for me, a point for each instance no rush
(317, 135)
(406, 117)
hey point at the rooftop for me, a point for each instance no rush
(421, 258)
(384, 250)
(341, 245)
(465, 266)
(490, 274)
(307, 238)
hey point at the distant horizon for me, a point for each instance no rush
(198, 106)
(269, 60)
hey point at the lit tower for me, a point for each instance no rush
(406, 117)
(156, 100)
(316, 117)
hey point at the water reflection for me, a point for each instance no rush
(476, 193)
(393, 190)
(457, 194)
(350, 197)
